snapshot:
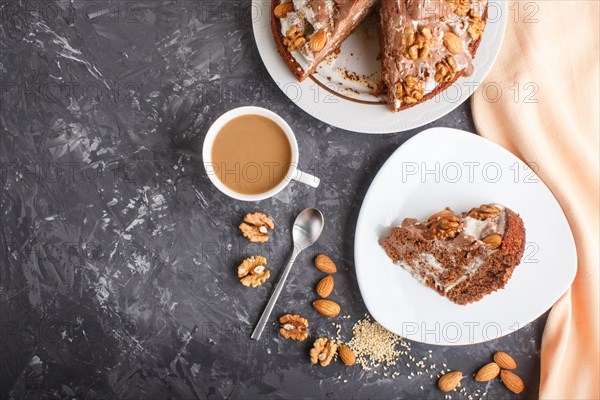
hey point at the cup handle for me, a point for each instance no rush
(307, 179)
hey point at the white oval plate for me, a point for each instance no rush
(329, 101)
(443, 167)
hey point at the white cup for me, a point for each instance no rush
(293, 172)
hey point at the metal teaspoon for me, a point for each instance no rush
(306, 230)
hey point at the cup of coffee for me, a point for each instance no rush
(251, 153)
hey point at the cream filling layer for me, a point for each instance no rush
(428, 267)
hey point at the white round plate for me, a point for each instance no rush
(332, 98)
(443, 167)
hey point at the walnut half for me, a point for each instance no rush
(410, 90)
(256, 227)
(253, 272)
(444, 224)
(323, 351)
(476, 25)
(292, 327)
(416, 44)
(484, 211)
(445, 69)
(459, 7)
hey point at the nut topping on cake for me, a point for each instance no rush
(283, 9)
(444, 224)
(323, 351)
(459, 7)
(445, 69)
(294, 38)
(416, 45)
(476, 25)
(292, 327)
(493, 241)
(452, 43)
(484, 211)
(318, 40)
(252, 271)
(410, 90)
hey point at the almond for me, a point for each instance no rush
(318, 40)
(487, 372)
(450, 381)
(325, 264)
(346, 355)
(512, 381)
(504, 361)
(282, 9)
(493, 241)
(327, 307)
(452, 42)
(325, 286)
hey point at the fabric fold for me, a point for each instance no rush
(547, 113)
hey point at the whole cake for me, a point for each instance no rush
(463, 257)
(425, 44)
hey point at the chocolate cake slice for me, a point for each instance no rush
(427, 45)
(307, 31)
(463, 257)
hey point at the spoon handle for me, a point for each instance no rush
(262, 322)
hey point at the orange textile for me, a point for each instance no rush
(545, 109)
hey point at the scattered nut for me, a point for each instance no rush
(283, 9)
(256, 227)
(328, 308)
(493, 241)
(444, 224)
(325, 264)
(410, 90)
(325, 286)
(449, 381)
(484, 211)
(445, 69)
(512, 381)
(292, 327)
(318, 40)
(504, 361)
(323, 351)
(452, 42)
(487, 372)
(346, 355)
(252, 271)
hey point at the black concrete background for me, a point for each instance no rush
(118, 257)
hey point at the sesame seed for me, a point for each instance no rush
(373, 344)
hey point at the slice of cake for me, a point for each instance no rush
(463, 257)
(427, 45)
(307, 31)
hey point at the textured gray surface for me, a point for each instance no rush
(118, 257)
